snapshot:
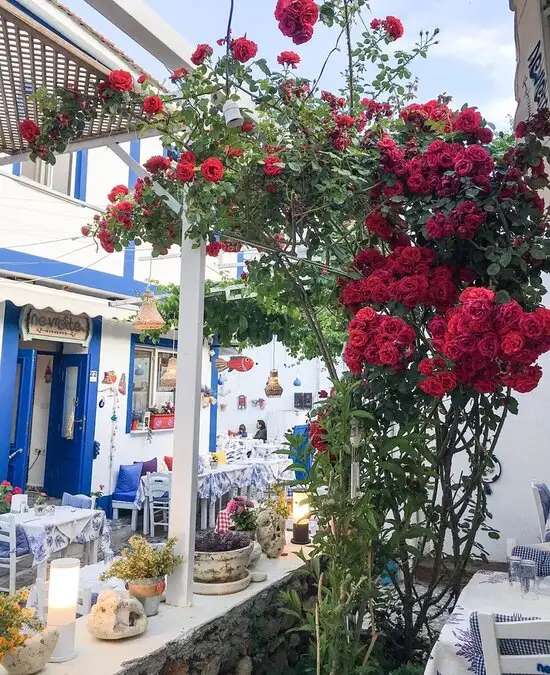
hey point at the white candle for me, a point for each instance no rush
(62, 601)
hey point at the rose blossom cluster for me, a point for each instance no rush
(439, 380)
(296, 19)
(463, 221)
(378, 339)
(391, 25)
(492, 345)
(430, 172)
(214, 248)
(407, 275)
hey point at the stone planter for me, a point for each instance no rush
(218, 567)
(148, 592)
(33, 655)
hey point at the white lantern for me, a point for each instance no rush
(232, 114)
(62, 601)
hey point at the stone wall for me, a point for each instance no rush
(252, 638)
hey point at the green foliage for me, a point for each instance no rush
(142, 561)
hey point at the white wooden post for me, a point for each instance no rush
(183, 496)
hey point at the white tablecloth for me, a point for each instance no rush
(50, 534)
(458, 649)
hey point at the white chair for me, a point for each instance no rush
(492, 631)
(10, 557)
(157, 501)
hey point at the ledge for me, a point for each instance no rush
(141, 432)
(173, 629)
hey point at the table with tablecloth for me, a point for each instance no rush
(257, 473)
(458, 649)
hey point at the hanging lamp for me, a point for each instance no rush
(168, 378)
(273, 387)
(148, 317)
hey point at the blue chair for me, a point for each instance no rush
(124, 496)
(297, 454)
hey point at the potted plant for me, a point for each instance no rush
(243, 515)
(213, 461)
(143, 568)
(162, 417)
(25, 647)
(221, 558)
(40, 504)
(7, 490)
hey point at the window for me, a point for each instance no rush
(58, 177)
(150, 364)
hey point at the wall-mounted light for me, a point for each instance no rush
(62, 601)
(232, 114)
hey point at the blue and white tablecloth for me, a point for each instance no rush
(458, 649)
(52, 533)
(213, 483)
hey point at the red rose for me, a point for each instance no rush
(29, 130)
(243, 49)
(485, 135)
(201, 53)
(468, 121)
(157, 163)
(532, 325)
(475, 293)
(309, 14)
(508, 316)
(117, 191)
(416, 182)
(212, 170)
(393, 27)
(388, 354)
(289, 25)
(489, 345)
(185, 171)
(178, 74)
(447, 380)
(142, 79)
(247, 127)
(272, 166)
(153, 105)
(425, 367)
(521, 130)
(84, 230)
(512, 342)
(358, 339)
(432, 386)
(476, 153)
(213, 249)
(288, 59)
(189, 157)
(463, 167)
(121, 80)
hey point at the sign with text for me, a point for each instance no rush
(45, 324)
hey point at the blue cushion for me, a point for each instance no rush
(76, 501)
(21, 546)
(151, 466)
(119, 496)
(128, 478)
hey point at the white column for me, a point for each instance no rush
(183, 498)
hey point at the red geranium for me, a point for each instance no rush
(29, 130)
(201, 53)
(243, 49)
(153, 105)
(121, 80)
(288, 59)
(212, 170)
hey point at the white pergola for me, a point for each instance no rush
(31, 53)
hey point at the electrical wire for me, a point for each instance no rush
(65, 274)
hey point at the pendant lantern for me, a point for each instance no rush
(273, 387)
(168, 378)
(148, 317)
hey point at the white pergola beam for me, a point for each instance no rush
(141, 23)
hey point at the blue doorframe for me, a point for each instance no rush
(94, 349)
(8, 369)
(23, 405)
(214, 377)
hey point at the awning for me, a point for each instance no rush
(531, 70)
(22, 293)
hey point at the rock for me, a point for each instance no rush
(116, 615)
(258, 577)
(270, 532)
(255, 555)
(33, 654)
(212, 667)
(244, 666)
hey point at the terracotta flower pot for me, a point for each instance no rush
(33, 654)
(148, 592)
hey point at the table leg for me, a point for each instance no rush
(212, 513)
(94, 551)
(145, 508)
(41, 571)
(204, 513)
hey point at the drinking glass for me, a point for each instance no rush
(108, 556)
(514, 572)
(529, 580)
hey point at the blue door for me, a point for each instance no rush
(22, 417)
(65, 452)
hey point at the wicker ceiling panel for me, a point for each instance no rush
(32, 57)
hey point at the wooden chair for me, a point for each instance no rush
(492, 631)
(9, 556)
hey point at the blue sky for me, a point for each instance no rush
(474, 61)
